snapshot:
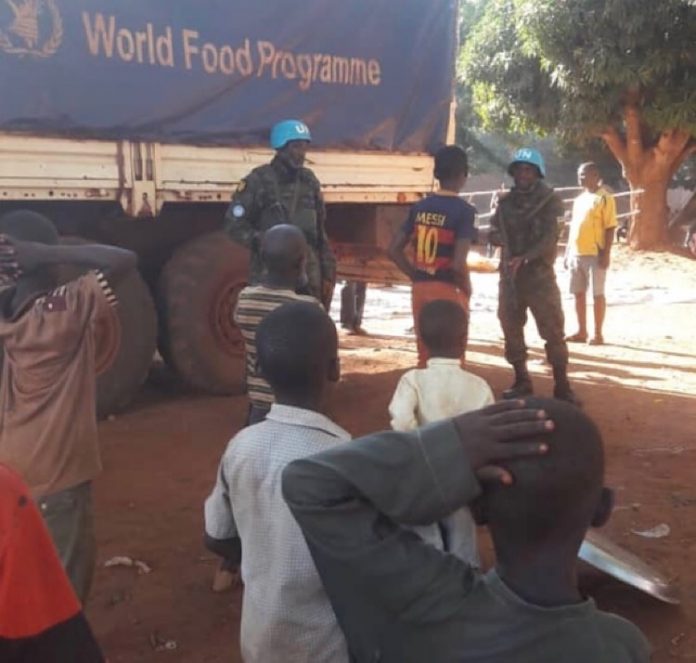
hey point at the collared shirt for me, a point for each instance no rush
(442, 390)
(254, 304)
(286, 615)
(48, 420)
(593, 214)
(400, 600)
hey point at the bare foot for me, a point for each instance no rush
(356, 331)
(225, 579)
(577, 338)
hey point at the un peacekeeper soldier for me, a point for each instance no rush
(284, 191)
(525, 226)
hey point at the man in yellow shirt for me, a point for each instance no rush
(588, 253)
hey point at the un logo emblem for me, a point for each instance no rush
(30, 27)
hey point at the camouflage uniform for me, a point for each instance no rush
(525, 224)
(277, 193)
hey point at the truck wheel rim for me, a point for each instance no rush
(226, 333)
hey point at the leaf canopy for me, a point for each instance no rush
(569, 67)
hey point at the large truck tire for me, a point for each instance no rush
(118, 383)
(196, 296)
(127, 340)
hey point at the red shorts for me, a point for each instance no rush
(423, 292)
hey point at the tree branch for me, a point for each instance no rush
(616, 144)
(673, 147)
(673, 142)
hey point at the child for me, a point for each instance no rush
(284, 255)
(283, 252)
(441, 229)
(440, 391)
(538, 484)
(48, 422)
(286, 616)
(588, 251)
(41, 620)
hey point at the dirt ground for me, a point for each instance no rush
(160, 460)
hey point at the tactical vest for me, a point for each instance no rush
(524, 216)
(292, 202)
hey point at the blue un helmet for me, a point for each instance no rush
(287, 130)
(531, 156)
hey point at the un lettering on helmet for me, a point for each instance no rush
(287, 130)
(531, 156)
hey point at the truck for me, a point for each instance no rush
(132, 123)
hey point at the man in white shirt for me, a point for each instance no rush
(441, 391)
(286, 616)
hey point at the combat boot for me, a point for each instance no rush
(562, 389)
(522, 386)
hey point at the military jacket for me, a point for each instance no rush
(273, 194)
(526, 224)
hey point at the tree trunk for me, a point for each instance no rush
(649, 170)
(648, 229)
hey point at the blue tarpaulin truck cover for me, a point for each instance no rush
(364, 74)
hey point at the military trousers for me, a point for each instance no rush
(353, 304)
(534, 289)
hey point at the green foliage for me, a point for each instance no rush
(510, 91)
(489, 147)
(467, 121)
(568, 67)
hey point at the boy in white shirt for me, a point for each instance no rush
(441, 391)
(286, 615)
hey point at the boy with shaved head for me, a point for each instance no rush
(441, 390)
(400, 600)
(286, 615)
(284, 256)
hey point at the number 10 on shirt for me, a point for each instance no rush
(426, 245)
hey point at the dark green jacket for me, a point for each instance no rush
(274, 194)
(399, 599)
(527, 224)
